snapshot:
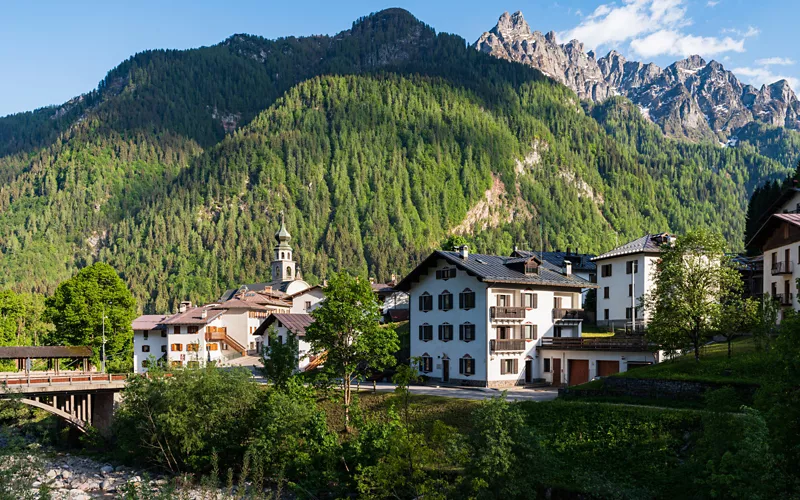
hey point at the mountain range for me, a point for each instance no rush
(691, 98)
(377, 143)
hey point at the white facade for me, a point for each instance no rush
(306, 301)
(616, 284)
(148, 347)
(303, 347)
(499, 366)
(781, 274)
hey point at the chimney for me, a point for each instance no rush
(371, 280)
(394, 279)
(464, 251)
(204, 313)
(567, 268)
(184, 305)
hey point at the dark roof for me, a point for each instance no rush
(279, 286)
(149, 322)
(301, 292)
(382, 288)
(649, 243)
(194, 316)
(240, 304)
(580, 261)
(785, 196)
(295, 323)
(769, 226)
(497, 269)
(43, 352)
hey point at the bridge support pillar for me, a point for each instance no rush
(102, 411)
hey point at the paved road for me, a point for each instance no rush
(475, 393)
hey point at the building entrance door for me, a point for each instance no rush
(445, 370)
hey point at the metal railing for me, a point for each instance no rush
(569, 314)
(785, 267)
(506, 345)
(784, 299)
(601, 344)
(500, 312)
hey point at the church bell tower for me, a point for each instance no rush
(284, 268)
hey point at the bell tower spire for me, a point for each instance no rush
(283, 265)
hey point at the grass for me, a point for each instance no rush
(746, 365)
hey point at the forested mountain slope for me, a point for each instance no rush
(426, 136)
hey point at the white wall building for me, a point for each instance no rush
(779, 240)
(496, 321)
(307, 300)
(624, 275)
(295, 325)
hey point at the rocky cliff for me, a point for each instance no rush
(692, 98)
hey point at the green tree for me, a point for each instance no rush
(453, 242)
(280, 359)
(346, 330)
(738, 317)
(693, 279)
(76, 310)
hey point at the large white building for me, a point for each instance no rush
(624, 275)
(779, 240)
(488, 320)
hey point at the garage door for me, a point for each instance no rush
(606, 368)
(578, 371)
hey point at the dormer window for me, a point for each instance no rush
(531, 267)
(445, 301)
(446, 274)
(425, 302)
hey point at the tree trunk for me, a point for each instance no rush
(346, 383)
(696, 342)
(729, 347)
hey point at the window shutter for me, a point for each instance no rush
(503, 367)
(421, 330)
(535, 332)
(421, 306)
(460, 332)
(516, 366)
(440, 332)
(461, 366)
(535, 300)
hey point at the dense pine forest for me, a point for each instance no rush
(377, 143)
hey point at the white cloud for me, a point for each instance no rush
(775, 61)
(673, 43)
(653, 28)
(763, 76)
(712, 3)
(750, 32)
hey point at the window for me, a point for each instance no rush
(175, 364)
(606, 292)
(505, 332)
(606, 314)
(191, 329)
(425, 302)
(605, 270)
(145, 348)
(547, 365)
(466, 299)
(530, 300)
(445, 301)
(531, 267)
(308, 305)
(466, 366)
(289, 271)
(163, 333)
(466, 332)
(508, 366)
(252, 346)
(504, 300)
(426, 364)
(212, 347)
(530, 332)
(632, 267)
(628, 314)
(146, 334)
(176, 330)
(630, 290)
(193, 364)
(557, 302)
(192, 347)
(446, 332)
(224, 346)
(176, 347)
(280, 339)
(145, 363)
(556, 331)
(445, 274)
(425, 332)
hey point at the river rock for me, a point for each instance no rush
(106, 469)
(52, 473)
(66, 474)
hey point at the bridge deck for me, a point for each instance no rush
(47, 382)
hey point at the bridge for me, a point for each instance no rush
(81, 398)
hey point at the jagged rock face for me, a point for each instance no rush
(692, 98)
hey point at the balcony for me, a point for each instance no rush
(510, 313)
(507, 345)
(568, 315)
(590, 344)
(784, 299)
(785, 267)
(215, 333)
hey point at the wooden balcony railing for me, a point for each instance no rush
(216, 333)
(601, 344)
(569, 314)
(784, 299)
(499, 312)
(507, 345)
(785, 267)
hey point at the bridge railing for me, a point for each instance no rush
(17, 380)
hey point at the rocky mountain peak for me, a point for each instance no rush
(691, 98)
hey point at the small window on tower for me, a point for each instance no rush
(289, 271)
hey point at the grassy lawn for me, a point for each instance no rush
(746, 365)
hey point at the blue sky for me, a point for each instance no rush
(51, 51)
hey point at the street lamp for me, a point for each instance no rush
(103, 361)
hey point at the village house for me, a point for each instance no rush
(488, 320)
(779, 241)
(625, 275)
(294, 325)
